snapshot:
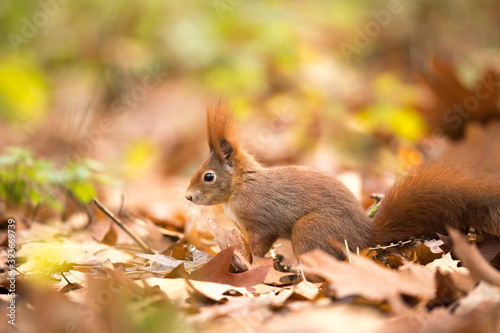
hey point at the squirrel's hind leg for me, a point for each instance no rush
(309, 233)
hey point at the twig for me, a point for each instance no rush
(412, 240)
(85, 207)
(377, 196)
(65, 278)
(139, 241)
(373, 208)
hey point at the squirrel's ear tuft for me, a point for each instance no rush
(220, 129)
(227, 151)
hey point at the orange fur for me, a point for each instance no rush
(220, 126)
(435, 195)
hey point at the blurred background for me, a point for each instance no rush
(361, 90)
(107, 99)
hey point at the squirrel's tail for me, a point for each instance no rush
(435, 195)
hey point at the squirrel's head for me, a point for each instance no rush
(212, 183)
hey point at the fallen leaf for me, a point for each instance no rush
(424, 254)
(160, 262)
(200, 257)
(472, 259)
(70, 287)
(277, 278)
(239, 314)
(445, 264)
(226, 238)
(306, 290)
(217, 270)
(434, 245)
(111, 237)
(177, 289)
(489, 247)
(373, 255)
(42, 257)
(242, 257)
(483, 318)
(333, 318)
(263, 289)
(279, 299)
(446, 290)
(484, 292)
(394, 261)
(364, 278)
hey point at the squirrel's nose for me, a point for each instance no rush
(189, 196)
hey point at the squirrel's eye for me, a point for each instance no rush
(209, 177)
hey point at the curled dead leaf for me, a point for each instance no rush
(473, 260)
(217, 270)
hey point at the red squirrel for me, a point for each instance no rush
(311, 208)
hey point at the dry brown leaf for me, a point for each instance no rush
(483, 318)
(446, 290)
(306, 290)
(317, 319)
(217, 270)
(263, 289)
(445, 264)
(281, 297)
(226, 238)
(242, 257)
(239, 314)
(489, 247)
(160, 262)
(175, 289)
(483, 292)
(473, 260)
(199, 234)
(178, 289)
(372, 255)
(417, 274)
(364, 278)
(460, 276)
(277, 278)
(464, 282)
(70, 287)
(424, 255)
(394, 261)
(111, 237)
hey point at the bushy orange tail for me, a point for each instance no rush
(435, 195)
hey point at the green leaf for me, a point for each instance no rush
(28, 180)
(35, 197)
(85, 192)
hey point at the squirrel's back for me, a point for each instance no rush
(288, 193)
(434, 195)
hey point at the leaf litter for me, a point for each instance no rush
(91, 284)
